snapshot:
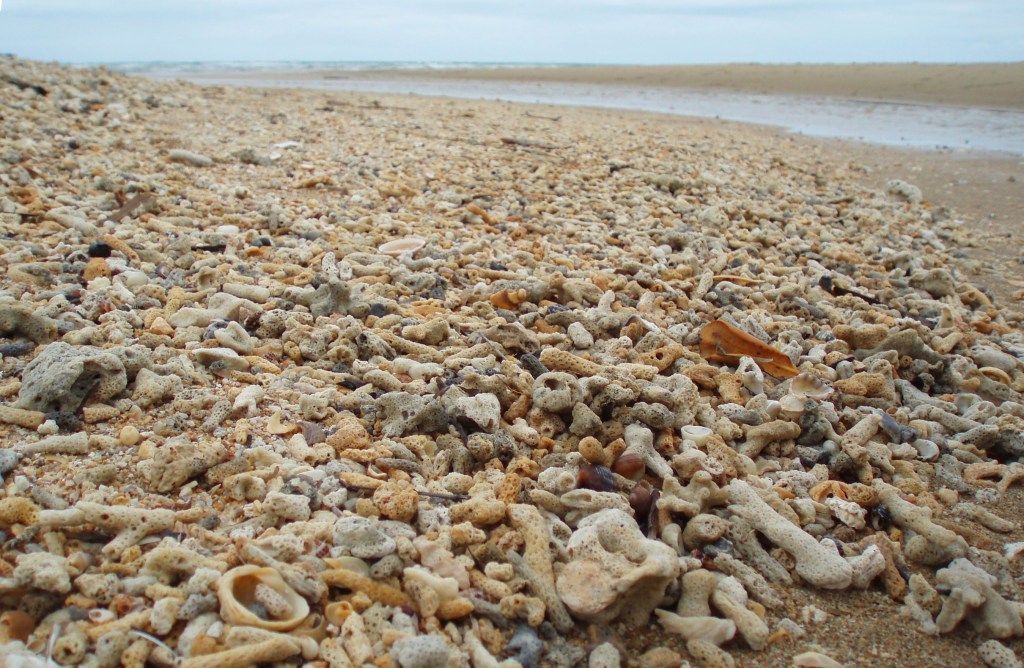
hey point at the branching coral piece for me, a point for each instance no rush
(820, 565)
(130, 525)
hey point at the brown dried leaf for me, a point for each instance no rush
(721, 342)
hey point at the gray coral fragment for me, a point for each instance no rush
(63, 377)
(20, 320)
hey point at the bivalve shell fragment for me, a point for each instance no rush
(257, 596)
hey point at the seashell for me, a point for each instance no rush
(401, 246)
(695, 433)
(815, 660)
(596, 477)
(256, 596)
(711, 629)
(314, 626)
(508, 299)
(276, 425)
(337, 612)
(354, 564)
(927, 450)
(630, 465)
(641, 499)
(995, 374)
(16, 625)
(807, 385)
(791, 406)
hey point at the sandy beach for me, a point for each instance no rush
(339, 379)
(983, 189)
(980, 85)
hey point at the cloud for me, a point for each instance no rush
(607, 31)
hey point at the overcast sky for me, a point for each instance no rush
(562, 31)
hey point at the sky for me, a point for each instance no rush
(523, 31)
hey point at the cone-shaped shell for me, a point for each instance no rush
(275, 606)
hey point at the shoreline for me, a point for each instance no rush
(916, 125)
(995, 86)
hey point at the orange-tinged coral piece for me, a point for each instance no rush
(378, 591)
(508, 299)
(721, 342)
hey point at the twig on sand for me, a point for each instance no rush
(546, 118)
(529, 143)
(24, 85)
(129, 207)
(432, 495)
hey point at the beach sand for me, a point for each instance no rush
(983, 85)
(545, 228)
(985, 190)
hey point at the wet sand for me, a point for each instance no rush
(982, 85)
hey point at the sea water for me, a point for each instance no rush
(892, 123)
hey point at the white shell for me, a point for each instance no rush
(927, 451)
(809, 385)
(401, 246)
(792, 406)
(695, 433)
(712, 629)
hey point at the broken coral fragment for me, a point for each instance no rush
(62, 377)
(820, 564)
(615, 572)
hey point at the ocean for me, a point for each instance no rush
(888, 123)
(161, 68)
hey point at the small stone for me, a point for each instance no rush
(129, 435)
(660, 657)
(189, 158)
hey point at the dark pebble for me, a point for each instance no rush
(99, 249)
(17, 349)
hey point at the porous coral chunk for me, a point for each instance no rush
(972, 596)
(152, 389)
(22, 320)
(818, 563)
(178, 460)
(615, 572)
(62, 377)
